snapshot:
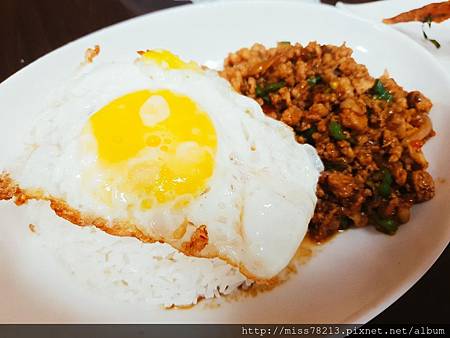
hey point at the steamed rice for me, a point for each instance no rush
(129, 269)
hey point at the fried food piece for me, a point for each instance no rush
(435, 12)
(91, 54)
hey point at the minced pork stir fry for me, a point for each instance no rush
(368, 132)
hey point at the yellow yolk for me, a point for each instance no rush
(156, 146)
(168, 59)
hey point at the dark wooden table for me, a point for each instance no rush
(32, 28)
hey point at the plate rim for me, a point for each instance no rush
(368, 312)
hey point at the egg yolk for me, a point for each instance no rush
(168, 60)
(156, 146)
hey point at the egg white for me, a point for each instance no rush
(260, 197)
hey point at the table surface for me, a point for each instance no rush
(32, 28)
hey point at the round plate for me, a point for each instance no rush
(350, 280)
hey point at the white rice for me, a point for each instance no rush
(129, 270)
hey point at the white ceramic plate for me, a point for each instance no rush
(352, 279)
(378, 10)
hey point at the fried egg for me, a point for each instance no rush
(165, 150)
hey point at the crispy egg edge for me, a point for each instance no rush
(11, 190)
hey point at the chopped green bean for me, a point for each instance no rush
(263, 92)
(384, 189)
(336, 131)
(273, 87)
(386, 225)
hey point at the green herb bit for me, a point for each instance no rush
(263, 92)
(273, 87)
(336, 131)
(428, 20)
(260, 93)
(386, 225)
(380, 92)
(313, 80)
(433, 41)
(384, 189)
(284, 43)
